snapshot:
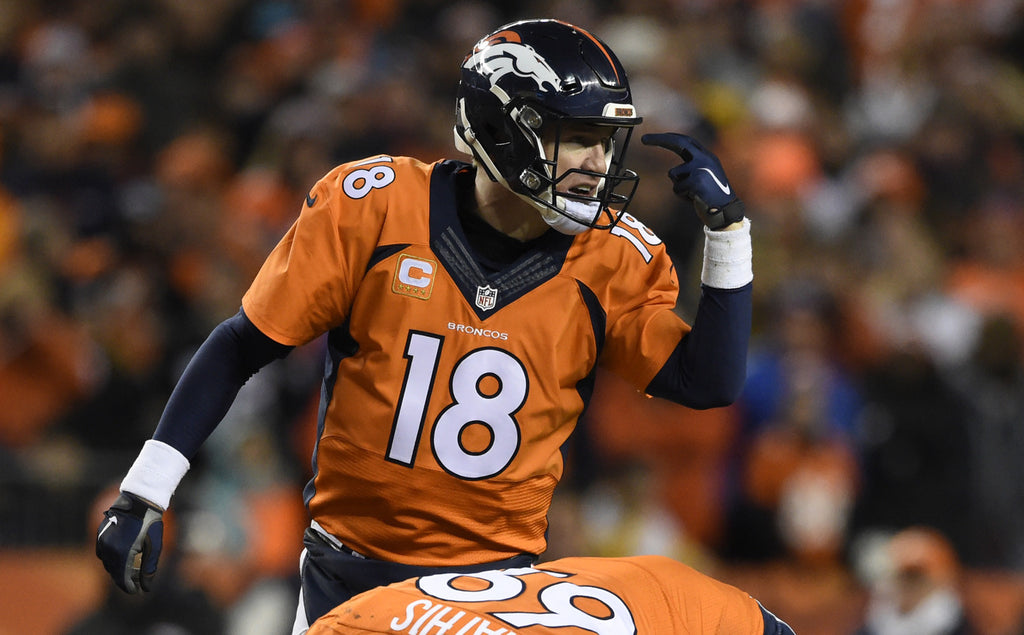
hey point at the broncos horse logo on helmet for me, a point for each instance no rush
(505, 53)
(533, 77)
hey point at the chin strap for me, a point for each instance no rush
(576, 218)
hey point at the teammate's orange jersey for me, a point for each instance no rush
(573, 596)
(448, 391)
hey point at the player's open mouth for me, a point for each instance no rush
(582, 190)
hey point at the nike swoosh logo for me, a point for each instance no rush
(310, 200)
(725, 188)
(110, 521)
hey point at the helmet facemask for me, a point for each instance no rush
(569, 210)
(538, 180)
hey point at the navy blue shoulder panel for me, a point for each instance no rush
(598, 317)
(382, 252)
(579, 445)
(598, 320)
(340, 345)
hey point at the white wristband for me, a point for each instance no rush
(728, 258)
(156, 473)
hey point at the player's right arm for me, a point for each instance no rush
(130, 536)
(303, 289)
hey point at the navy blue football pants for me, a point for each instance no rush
(330, 576)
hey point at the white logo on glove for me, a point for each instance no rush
(725, 188)
(110, 521)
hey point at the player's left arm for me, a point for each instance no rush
(708, 366)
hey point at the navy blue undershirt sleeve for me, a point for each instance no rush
(709, 366)
(232, 353)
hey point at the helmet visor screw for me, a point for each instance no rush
(530, 117)
(530, 180)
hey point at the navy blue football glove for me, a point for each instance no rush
(701, 179)
(129, 541)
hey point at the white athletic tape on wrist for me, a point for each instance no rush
(156, 473)
(728, 258)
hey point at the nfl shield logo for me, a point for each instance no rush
(486, 297)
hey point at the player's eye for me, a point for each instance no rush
(590, 140)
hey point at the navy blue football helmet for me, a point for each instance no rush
(524, 82)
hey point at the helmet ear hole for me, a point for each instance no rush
(499, 134)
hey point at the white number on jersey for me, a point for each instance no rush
(647, 237)
(359, 183)
(470, 406)
(558, 598)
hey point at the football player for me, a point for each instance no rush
(571, 596)
(467, 307)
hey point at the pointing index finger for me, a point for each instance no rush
(677, 143)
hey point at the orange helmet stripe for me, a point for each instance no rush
(603, 49)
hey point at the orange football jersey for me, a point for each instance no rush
(572, 596)
(449, 391)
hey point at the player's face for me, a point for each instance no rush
(582, 147)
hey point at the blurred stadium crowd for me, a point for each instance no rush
(151, 154)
